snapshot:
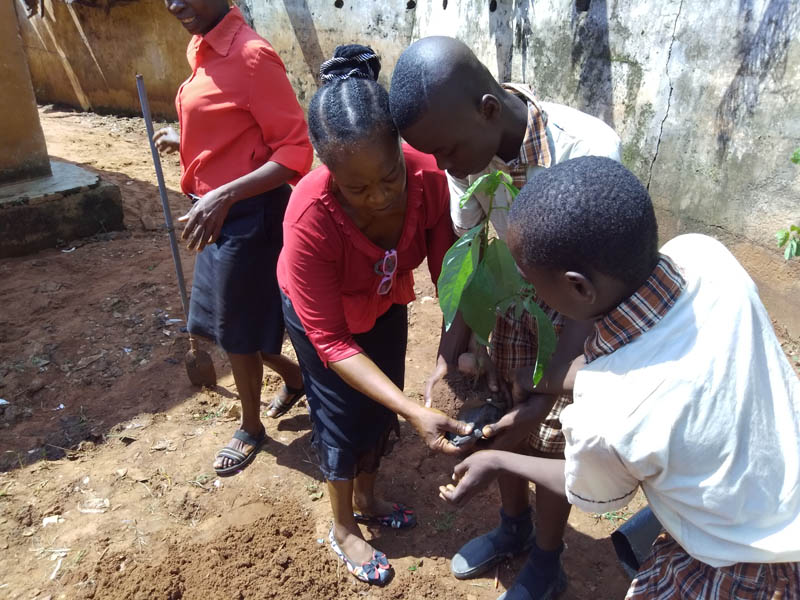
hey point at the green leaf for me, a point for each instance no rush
(796, 157)
(479, 304)
(794, 229)
(793, 245)
(496, 283)
(514, 302)
(782, 236)
(508, 303)
(493, 182)
(486, 184)
(512, 189)
(458, 268)
(787, 254)
(504, 269)
(546, 337)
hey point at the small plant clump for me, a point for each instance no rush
(480, 279)
(790, 238)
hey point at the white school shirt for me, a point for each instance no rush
(702, 411)
(570, 134)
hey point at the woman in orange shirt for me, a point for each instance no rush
(243, 138)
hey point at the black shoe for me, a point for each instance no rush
(542, 577)
(514, 536)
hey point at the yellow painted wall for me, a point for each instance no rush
(89, 57)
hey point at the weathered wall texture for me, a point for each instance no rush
(703, 94)
(306, 32)
(23, 152)
(89, 57)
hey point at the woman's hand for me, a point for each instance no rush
(167, 140)
(471, 475)
(204, 220)
(432, 425)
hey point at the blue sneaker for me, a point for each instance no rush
(542, 577)
(515, 535)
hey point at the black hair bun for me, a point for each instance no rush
(351, 60)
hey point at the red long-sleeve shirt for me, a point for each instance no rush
(327, 266)
(237, 109)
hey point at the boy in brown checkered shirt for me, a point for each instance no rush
(446, 103)
(682, 390)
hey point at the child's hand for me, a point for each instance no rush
(438, 374)
(494, 379)
(522, 384)
(471, 475)
(432, 425)
(515, 426)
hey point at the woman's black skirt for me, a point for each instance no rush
(235, 296)
(351, 432)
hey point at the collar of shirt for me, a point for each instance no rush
(534, 150)
(220, 38)
(646, 307)
(415, 196)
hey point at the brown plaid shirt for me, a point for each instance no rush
(534, 149)
(669, 572)
(646, 307)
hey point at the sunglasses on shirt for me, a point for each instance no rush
(387, 266)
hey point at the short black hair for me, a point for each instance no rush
(351, 105)
(408, 94)
(429, 66)
(587, 214)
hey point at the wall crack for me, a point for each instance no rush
(669, 97)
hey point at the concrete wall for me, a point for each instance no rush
(88, 57)
(23, 152)
(703, 94)
(305, 32)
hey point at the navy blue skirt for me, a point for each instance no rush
(350, 431)
(235, 296)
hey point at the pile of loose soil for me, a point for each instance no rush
(274, 557)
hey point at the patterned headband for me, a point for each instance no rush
(364, 57)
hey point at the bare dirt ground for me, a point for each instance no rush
(106, 485)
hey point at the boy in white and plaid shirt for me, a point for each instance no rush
(682, 389)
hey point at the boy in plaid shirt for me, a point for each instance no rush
(446, 103)
(682, 390)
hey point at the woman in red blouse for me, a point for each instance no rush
(242, 139)
(353, 233)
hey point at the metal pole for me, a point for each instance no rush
(162, 190)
